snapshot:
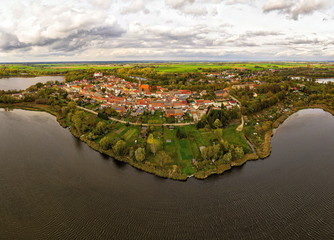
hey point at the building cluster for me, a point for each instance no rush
(135, 98)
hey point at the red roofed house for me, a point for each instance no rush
(145, 88)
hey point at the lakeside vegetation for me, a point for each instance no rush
(212, 145)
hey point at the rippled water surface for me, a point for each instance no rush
(52, 186)
(16, 83)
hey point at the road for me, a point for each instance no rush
(241, 126)
(139, 124)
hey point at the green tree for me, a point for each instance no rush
(227, 158)
(217, 123)
(238, 153)
(120, 148)
(72, 106)
(216, 151)
(101, 128)
(77, 120)
(140, 154)
(162, 158)
(91, 136)
(153, 143)
(106, 143)
(205, 154)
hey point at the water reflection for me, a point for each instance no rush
(17, 83)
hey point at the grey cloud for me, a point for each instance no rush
(75, 40)
(296, 8)
(10, 42)
(251, 34)
(84, 38)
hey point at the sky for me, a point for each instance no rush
(177, 30)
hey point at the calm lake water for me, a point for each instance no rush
(24, 83)
(52, 186)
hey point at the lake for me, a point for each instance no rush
(16, 83)
(325, 80)
(53, 186)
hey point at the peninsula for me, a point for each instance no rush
(175, 120)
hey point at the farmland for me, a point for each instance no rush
(184, 67)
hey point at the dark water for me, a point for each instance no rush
(55, 187)
(23, 83)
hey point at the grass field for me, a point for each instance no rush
(234, 137)
(197, 67)
(164, 67)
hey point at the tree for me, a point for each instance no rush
(162, 158)
(102, 116)
(217, 135)
(238, 153)
(77, 120)
(106, 143)
(91, 136)
(90, 122)
(216, 150)
(64, 111)
(120, 148)
(72, 106)
(154, 143)
(217, 123)
(131, 152)
(204, 153)
(140, 154)
(39, 85)
(180, 134)
(101, 128)
(227, 158)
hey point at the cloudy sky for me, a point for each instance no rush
(113, 30)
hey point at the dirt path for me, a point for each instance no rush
(241, 126)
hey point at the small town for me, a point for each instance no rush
(135, 98)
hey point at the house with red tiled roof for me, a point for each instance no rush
(145, 88)
(174, 113)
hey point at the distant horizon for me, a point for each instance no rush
(166, 30)
(167, 61)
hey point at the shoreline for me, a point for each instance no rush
(265, 150)
(262, 152)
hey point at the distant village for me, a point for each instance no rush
(135, 98)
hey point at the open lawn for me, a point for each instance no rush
(234, 137)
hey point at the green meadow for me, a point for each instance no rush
(183, 67)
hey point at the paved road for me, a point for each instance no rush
(139, 124)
